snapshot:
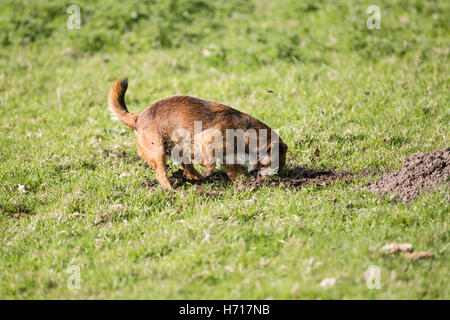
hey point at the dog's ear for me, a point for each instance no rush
(276, 147)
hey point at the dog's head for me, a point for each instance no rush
(273, 161)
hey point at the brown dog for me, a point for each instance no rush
(170, 122)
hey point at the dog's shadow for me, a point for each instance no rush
(295, 176)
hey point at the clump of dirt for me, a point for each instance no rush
(116, 154)
(422, 171)
(16, 210)
(149, 183)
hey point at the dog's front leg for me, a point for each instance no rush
(233, 171)
(190, 172)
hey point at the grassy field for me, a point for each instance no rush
(75, 197)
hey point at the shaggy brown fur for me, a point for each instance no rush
(156, 124)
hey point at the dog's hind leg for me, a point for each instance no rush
(159, 165)
(161, 173)
(155, 157)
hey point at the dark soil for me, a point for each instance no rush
(294, 177)
(422, 171)
(121, 154)
(114, 153)
(299, 177)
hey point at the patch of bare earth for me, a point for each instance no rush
(121, 154)
(293, 177)
(299, 177)
(422, 171)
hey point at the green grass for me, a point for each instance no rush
(366, 98)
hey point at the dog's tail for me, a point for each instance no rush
(116, 104)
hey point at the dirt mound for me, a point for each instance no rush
(422, 171)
